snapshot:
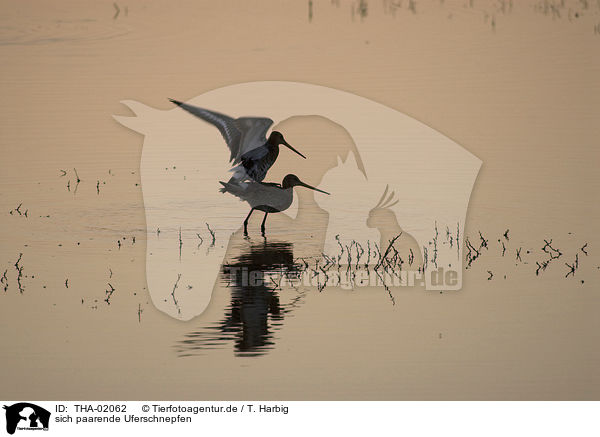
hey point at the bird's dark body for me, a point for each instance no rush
(267, 208)
(265, 196)
(257, 162)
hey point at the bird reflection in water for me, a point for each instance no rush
(255, 312)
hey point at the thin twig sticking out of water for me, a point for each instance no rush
(173, 293)
(449, 237)
(573, 267)
(392, 241)
(17, 210)
(435, 249)
(19, 269)
(212, 234)
(180, 243)
(109, 293)
(503, 247)
(77, 181)
(552, 252)
(4, 280)
(472, 253)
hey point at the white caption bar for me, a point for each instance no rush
(264, 418)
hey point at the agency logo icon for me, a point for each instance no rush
(26, 416)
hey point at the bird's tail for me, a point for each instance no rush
(233, 186)
(239, 174)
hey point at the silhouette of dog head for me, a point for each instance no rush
(28, 412)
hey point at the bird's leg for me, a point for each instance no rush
(246, 222)
(262, 226)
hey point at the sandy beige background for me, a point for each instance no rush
(518, 87)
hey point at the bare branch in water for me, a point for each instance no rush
(435, 249)
(180, 243)
(483, 243)
(573, 267)
(458, 239)
(212, 234)
(4, 280)
(173, 293)
(554, 253)
(392, 241)
(19, 269)
(109, 293)
(472, 253)
(541, 267)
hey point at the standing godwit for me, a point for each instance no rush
(267, 197)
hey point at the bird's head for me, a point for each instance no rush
(292, 180)
(277, 139)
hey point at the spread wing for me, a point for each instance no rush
(241, 135)
(254, 133)
(226, 125)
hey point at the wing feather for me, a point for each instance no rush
(241, 135)
(254, 133)
(226, 125)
